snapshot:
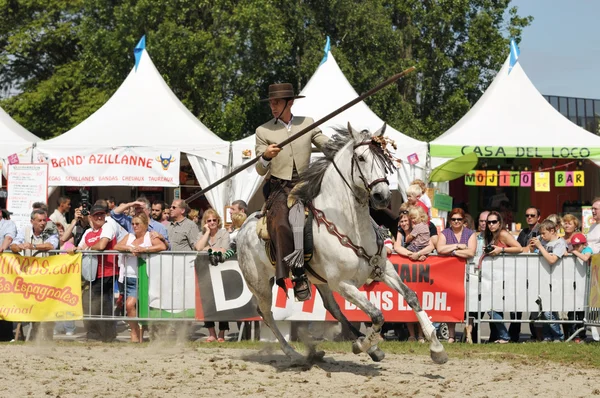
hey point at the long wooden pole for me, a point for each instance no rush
(305, 130)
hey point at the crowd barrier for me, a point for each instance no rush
(182, 286)
(527, 284)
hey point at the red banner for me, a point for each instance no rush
(438, 283)
(222, 295)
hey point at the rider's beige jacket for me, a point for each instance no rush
(297, 152)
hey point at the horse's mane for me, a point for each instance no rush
(309, 182)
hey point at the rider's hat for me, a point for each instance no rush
(281, 91)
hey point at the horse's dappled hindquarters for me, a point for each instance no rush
(347, 248)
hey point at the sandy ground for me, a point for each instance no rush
(76, 369)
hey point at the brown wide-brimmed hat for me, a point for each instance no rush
(281, 91)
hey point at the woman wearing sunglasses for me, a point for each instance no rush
(497, 238)
(459, 241)
(499, 241)
(215, 238)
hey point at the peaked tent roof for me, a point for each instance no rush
(144, 112)
(328, 89)
(512, 114)
(13, 136)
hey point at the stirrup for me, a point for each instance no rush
(302, 288)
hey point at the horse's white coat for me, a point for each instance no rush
(344, 271)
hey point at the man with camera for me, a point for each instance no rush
(532, 215)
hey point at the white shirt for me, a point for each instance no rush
(593, 238)
(131, 261)
(57, 217)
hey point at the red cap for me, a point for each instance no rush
(578, 239)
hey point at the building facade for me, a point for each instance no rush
(584, 112)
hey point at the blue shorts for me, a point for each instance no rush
(131, 285)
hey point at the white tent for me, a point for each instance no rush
(145, 115)
(14, 138)
(513, 120)
(327, 90)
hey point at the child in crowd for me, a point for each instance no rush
(552, 248)
(581, 248)
(583, 252)
(237, 220)
(419, 237)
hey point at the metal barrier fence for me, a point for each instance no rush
(509, 286)
(501, 286)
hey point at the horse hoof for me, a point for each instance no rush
(316, 356)
(298, 361)
(439, 357)
(376, 354)
(357, 346)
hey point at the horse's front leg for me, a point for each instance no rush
(353, 295)
(334, 309)
(436, 349)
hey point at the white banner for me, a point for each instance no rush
(27, 183)
(513, 283)
(171, 281)
(129, 166)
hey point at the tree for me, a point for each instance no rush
(64, 59)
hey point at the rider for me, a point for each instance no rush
(283, 165)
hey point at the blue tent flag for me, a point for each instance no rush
(326, 50)
(514, 54)
(137, 51)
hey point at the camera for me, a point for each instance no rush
(488, 249)
(85, 202)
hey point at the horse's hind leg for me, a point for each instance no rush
(332, 306)
(263, 294)
(436, 349)
(367, 343)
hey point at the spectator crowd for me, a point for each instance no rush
(133, 228)
(140, 227)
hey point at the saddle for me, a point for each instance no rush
(263, 233)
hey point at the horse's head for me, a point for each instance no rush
(370, 164)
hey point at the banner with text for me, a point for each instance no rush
(40, 289)
(541, 182)
(129, 166)
(27, 184)
(490, 151)
(222, 294)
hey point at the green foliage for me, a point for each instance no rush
(61, 60)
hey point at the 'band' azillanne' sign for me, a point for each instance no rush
(129, 166)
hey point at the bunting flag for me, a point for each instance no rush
(326, 50)
(514, 54)
(137, 51)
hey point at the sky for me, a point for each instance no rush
(560, 50)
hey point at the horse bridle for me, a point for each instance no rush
(368, 186)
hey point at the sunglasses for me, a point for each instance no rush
(136, 223)
(530, 215)
(456, 219)
(212, 220)
(173, 207)
(492, 222)
(404, 212)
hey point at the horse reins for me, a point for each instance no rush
(368, 186)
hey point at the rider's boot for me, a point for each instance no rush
(302, 288)
(295, 260)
